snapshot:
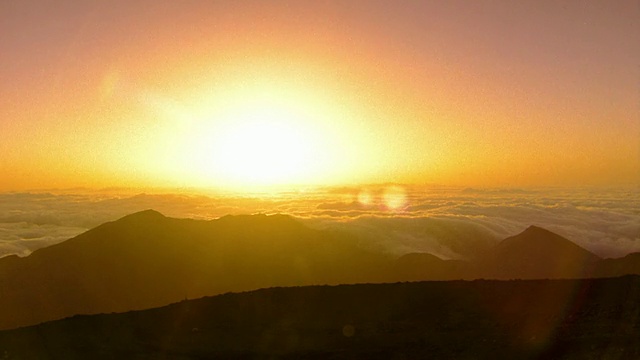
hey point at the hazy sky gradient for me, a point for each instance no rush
(480, 93)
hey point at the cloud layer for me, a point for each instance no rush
(448, 222)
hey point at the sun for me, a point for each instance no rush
(255, 141)
(261, 134)
(264, 146)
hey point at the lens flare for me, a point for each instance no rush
(365, 198)
(394, 198)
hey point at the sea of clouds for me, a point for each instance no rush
(452, 223)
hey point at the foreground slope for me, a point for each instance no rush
(524, 319)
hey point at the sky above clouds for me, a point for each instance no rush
(468, 93)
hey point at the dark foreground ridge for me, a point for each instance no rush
(482, 319)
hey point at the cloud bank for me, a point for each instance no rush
(451, 223)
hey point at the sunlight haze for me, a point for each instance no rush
(244, 94)
(319, 179)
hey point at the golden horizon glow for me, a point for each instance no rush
(265, 133)
(247, 95)
(260, 142)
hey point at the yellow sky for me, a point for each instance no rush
(245, 94)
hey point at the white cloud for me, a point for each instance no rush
(450, 223)
(22, 238)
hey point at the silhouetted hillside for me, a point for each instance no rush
(525, 319)
(147, 260)
(422, 266)
(629, 264)
(537, 253)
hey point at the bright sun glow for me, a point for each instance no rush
(264, 146)
(259, 133)
(256, 139)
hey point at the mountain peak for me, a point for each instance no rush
(543, 239)
(533, 229)
(540, 253)
(148, 214)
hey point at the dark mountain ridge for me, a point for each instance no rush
(523, 319)
(537, 253)
(146, 260)
(629, 264)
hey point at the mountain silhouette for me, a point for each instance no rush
(147, 260)
(537, 253)
(629, 264)
(424, 266)
(523, 319)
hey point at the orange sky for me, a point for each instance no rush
(474, 93)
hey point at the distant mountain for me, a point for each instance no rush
(146, 259)
(525, 319)
(629, 264)
(537, 253)
(423, 266)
